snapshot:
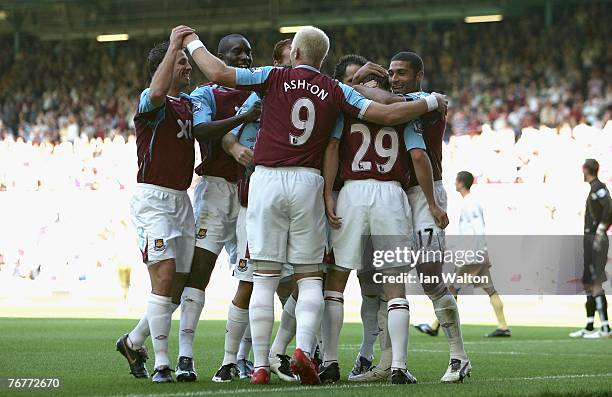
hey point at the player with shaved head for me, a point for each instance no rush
(285, 219)
(215, 197)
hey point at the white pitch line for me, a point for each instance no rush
(501, 353)
(260, 390)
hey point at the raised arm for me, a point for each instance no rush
(162, 78)
(214, 68)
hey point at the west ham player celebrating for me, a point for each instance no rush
(428, 203)
(160, 208)
(285, 217)
(215, 196)
(373, 301)
(238, 315)
(372, 203)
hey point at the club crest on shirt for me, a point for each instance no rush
(159, 244)
(242, 265)
(201, 233)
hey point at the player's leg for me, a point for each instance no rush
(159, 315)
(279, 360)
(447, 313)
(267, 225)
(590, 315)
(215, 213)
(587, 282)
(434, 328)
(431, 239)
(245, 365)
(236, 325)
(333, 317)
(348, 246)
(285, 287)
(398, 322)
(391, 227)
(157, 230)
(496, 302)
(308, 313)
(266, 277)
(238, 312)
(306, 242)
(598, 298)
(370, 303)
(598, 275)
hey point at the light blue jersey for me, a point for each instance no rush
(247, 132)
(204, 106)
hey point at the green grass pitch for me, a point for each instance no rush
(535, 361)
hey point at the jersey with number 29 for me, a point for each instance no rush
(300, 108)
(372, 151)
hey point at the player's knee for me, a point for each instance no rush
(243, 294)
(394, 290)
(436, 291)
(490, 290)
(335, 280)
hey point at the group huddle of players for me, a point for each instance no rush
(302, 176)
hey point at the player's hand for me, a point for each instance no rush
(440, 216)
(189, 38)
(371, 84)
(330, 211)
(179, 33)
(253, 113)
(242, 154)
(369, 68)
(442, 103)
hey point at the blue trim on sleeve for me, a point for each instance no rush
(413, 135)
(355, 99)
(204, 105)
(415, 96)
(248, 104)
(253, 76)
(144, 104)
(339, 127)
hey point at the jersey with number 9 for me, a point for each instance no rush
(300, 109)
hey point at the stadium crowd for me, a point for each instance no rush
(57, 91)
(74, 109)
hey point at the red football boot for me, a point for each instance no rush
(304, 367)
(260, 377)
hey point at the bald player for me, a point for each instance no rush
(215, 197)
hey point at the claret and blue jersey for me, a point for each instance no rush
(212, 102)
(164, 141)
(300, 108)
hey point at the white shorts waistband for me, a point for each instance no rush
(418, 187)
(371, 181)
(290, 169)
(217, 179)
(148, 186)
